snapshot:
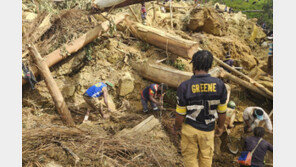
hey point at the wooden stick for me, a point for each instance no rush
(154, 14)
(77, 159)
(265, 90)
(131, 9)
(171, 13)
(52, 87)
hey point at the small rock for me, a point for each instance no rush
(53, 164)
(264, 44)
(29, 16)
(68, 91)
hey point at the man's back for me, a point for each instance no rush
(96, 90)
(201, 95)
(259, 153)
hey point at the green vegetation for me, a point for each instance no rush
(243, 5)
(170, 97)
(176, 63)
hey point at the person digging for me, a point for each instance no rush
(92, 96)
(154, 94)
(230, 114)
(253, 116)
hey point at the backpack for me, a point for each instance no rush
(246, 156)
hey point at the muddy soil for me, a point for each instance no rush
(103, 60)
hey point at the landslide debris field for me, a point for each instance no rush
(124, 139)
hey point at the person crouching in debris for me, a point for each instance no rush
(262, 146)
(230, 114)
(200, 101)
(228, 61)
(143, 13)
(28, 76)
(150, 94)
(253, 116)
(92, 95)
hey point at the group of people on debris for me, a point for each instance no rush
(201, 101)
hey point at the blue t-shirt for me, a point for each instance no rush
(96, 90)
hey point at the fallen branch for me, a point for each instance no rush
(77, 159)
(72, 47)
(244, 83)
(265, 90)
(52, 87)
(131, 9)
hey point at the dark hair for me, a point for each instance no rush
(259, 131)
(202, 60)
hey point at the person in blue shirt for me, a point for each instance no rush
(92, 95)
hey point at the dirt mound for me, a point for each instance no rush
(107, 59)
(207, 20)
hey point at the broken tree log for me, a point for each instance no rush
(52, 87)
(106, 5)
(244, 83)
(172, 43)
(164, 74)
(173, 77)
(265, 90)
(72, 47)
(185, 49)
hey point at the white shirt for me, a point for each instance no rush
(248, 115)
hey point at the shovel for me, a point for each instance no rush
(233, 149)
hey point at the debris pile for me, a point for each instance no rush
(120, 55)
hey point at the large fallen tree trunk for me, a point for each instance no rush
(244, 83)
(52, 87)
(169, 42)
(172, 77)
(61, 53)
(163, 74)
(265, 90)
(105, 5)
(182, 47)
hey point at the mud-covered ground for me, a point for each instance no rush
(107, 59)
